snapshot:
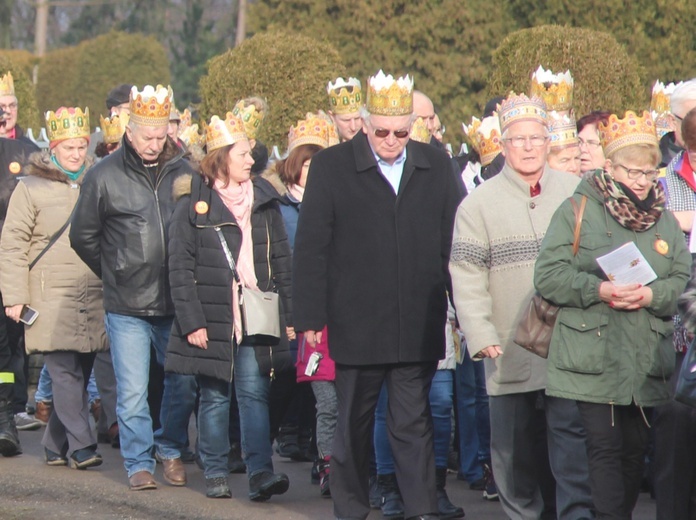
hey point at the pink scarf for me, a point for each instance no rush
(239, 199)
(296, 191)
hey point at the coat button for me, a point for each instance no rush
(583, 325)
(532, 205)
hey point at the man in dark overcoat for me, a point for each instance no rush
(370, 261)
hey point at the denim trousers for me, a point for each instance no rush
(213, 425)
(130, 338)
(441, 399)
(473, 418)
(44, 389)
(253, 389)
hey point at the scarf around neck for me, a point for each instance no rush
(73, 176)
(626, 210)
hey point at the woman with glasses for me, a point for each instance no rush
(611, 348)
(591, 152)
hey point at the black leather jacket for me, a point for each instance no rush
(120, 229)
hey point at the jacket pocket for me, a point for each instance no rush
(660, 351)
(579, 341)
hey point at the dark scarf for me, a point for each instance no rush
(627, 209)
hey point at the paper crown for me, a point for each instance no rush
(191, 137)
(555, 89)
(333, 131)
(345, 96)
(516, 108)
(185, 121)
(250, 115)
(152, 106)
(485, 137)
(313, 129)
(419, 131)
(661, 93)
(563, 130)
(7, 85)
(632, 129)
(387, 96)
(223, 132)
(113, 127)
(67, 123)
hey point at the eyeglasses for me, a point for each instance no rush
(399, 134)
(591, 145)
(635, 174)
(519, 141)
(7, 108)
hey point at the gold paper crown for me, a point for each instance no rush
(185, 121)
(191, 137)
(333, 132)
(152, 106)
(7, 85)
(387, 96)
(659, 102)
(419, 131)
(250, 115)
(67, 123)
(345, 97)
(221, 133)
(664, 124)
(485, 137)
(555, 89)
(563, 130)
(632, 129)
(113, 127)
(516, 108)
(313, 129)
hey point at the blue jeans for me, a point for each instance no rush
(253, 390)
(44, 390)
(130, 338)
(473, 418)
(441, 400)
(213, 425)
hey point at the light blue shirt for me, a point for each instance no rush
(392, 172)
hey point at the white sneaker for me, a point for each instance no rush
(26, 422)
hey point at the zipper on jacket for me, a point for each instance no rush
(611, 404)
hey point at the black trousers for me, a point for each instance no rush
(410, 430)
(617, 437)
(674, 425)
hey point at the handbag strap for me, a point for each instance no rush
(578, 221)
(53, 240)
(228, 254)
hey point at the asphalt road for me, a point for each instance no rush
(31, 490)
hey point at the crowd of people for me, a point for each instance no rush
(354, 303)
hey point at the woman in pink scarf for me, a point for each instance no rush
(207, 339)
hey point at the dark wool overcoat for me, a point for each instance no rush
(373, 264)
(201, 279)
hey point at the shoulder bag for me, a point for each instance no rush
(534, 329)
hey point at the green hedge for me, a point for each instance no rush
(606, 77)
(289, 70)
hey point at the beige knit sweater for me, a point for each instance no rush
(497, 233)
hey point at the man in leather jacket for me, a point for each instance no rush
(120, 230)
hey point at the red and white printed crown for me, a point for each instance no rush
(516, 108)
(485, 137)
(632, 129)
(563, 130)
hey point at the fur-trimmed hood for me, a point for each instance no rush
(273, 177)
(182, 186)
(40, 165)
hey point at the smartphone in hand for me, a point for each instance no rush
(28, 315)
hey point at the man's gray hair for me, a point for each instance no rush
(683, 93)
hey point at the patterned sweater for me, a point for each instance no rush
(498, 231)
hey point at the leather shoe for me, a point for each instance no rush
(265, 484)
(141, 480)
(174, 472)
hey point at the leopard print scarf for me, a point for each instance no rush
(623, 209)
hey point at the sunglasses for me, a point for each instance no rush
(399, 134)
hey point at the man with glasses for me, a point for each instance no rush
(498, 231)
(682, 100)
(370, 260)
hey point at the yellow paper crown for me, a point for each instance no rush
(67, 123)
(387, 96)
(191, 137)
(563, 130)
(221, 132)
(113, 127)
(632, 129)
(555, 89)
(333, 132)
(345, 96)
(152, 106)
(184, 122)
(7, 85)
(659, 102)
(485, 137)
(313, 129)
(516, 108)
(419, 131)
(250, 115)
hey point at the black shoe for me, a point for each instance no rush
(392, 504)
(235, 462)
(446, 509)
(476, 485)
(54, 459)
(375, 493)
(490, 492)
(9, 438)
(217, 487)
(85, 458)
(286, 443)
(314, 472)
(266, 484)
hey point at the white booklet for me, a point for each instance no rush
(627, 265)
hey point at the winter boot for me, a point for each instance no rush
(324, 470)
(392, 504)
(9, 438)
(446, 508)
(286, 442)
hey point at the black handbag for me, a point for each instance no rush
(685, 391)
